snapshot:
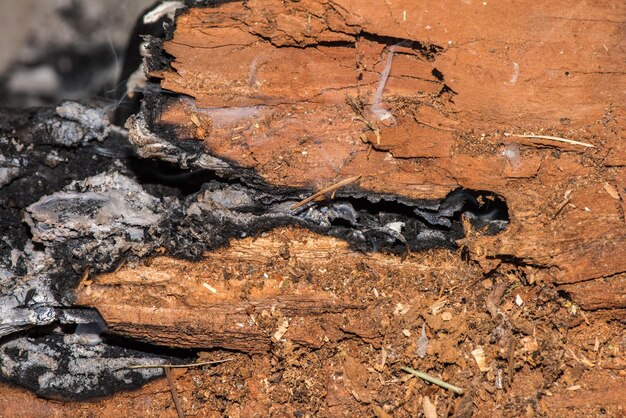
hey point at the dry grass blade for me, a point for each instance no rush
(434, 380)
(325, 190)
(566, 199)
(179, 366)
(552, 138)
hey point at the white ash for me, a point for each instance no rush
(105, 205)
(82, 124)
(9, 169)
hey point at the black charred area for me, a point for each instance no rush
(36, 165)
(84, 366)
(368, 222)
(151, 36)
(427, 51)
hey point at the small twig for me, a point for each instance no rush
(178, 366)
(434, 380)
(120, 265)
(450, 403)
(170, 381)
(584, 360)
(552, 138)
(511, 362)
(328, 189)
(566, 199)
(582, 313)
(84, 278)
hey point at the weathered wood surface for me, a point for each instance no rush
(290, 95)
(289, 281)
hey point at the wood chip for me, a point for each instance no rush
(481, 359)
(195, 120)
(436, 307)
(400, 309)
(380, 412)
(282, 329)
(429, 408)
(211, 288)
(612, 191)
(410, 387)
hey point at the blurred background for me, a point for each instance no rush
(63, 49)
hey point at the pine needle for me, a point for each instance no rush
(178, 366)
(434, 380)
(552, 138)
(325, 190)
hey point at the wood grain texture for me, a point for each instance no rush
(290, 96)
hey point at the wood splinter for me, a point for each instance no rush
(566, 199)
(331, 188)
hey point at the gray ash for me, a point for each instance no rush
(74, 366)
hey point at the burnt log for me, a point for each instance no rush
(325, 192)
